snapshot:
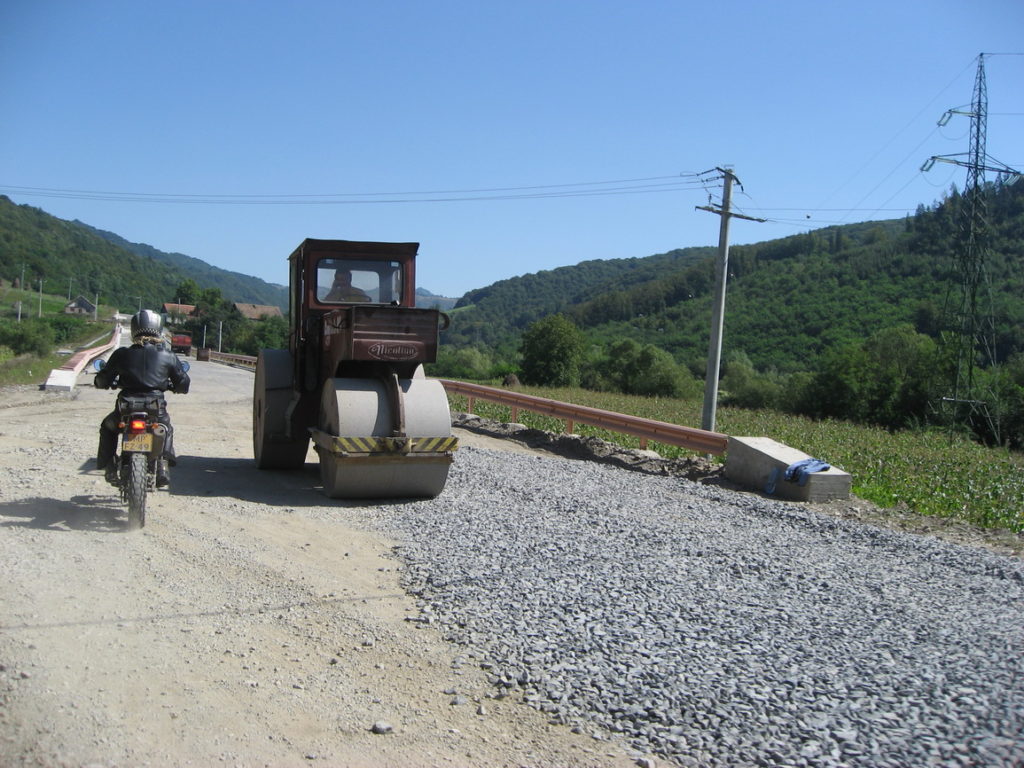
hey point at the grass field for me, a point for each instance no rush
(923, 472)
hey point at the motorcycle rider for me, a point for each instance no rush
(146, 368)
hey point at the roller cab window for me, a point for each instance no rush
(346, 281)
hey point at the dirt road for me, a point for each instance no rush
(252, 622)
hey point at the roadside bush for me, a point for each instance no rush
(66, 327)
(27, 337)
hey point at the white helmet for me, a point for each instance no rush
(146, 323)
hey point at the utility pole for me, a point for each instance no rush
(718, 307)
(40, 297)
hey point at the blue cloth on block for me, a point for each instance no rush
(796, 472)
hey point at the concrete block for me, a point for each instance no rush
(750, 461)
(61, 380)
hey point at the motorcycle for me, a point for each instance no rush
(142, 448)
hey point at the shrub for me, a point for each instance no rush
(464, 363)
(552, 350)
(744, 387)
(646, 370)
(66, 327)
(27, 337)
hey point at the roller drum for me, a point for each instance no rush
(273, 445)
(362, 408)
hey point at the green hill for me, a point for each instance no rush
(233, 285)
(70, 254)
(93, 261)
(496, 316)
(789, 300)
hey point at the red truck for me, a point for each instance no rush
(181, 342)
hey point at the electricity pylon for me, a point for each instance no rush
(969, 319)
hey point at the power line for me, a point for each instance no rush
(898, 133)
(825, 210)
(682, 181)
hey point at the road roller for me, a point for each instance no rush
(352, 380)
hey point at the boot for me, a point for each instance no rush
(110, 473)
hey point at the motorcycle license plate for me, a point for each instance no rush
(142, 443)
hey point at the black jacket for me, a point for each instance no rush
(143, 369)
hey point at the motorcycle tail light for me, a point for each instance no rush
(138, 425)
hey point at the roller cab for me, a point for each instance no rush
(352, 378)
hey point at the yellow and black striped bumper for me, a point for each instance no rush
(349, 446)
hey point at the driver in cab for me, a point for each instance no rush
(343, 290)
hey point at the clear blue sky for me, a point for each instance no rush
(343, 118)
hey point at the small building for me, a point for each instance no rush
(80, 306)
(176, 314)
(257, 311)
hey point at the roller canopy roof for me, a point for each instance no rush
(357, 248)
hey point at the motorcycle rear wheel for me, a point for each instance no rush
(134, 490)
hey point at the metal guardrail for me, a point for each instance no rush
(645, 429)
(245, 361)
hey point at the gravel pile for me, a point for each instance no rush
(715, 628)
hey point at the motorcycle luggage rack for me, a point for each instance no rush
(140, 403)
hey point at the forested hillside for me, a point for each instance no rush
(234, 285)
(847, 322)
(495, 316)
(70, 254)
(789, 300)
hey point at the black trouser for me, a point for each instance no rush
(109, 431)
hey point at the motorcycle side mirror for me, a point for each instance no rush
(98, 363)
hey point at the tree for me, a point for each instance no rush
(745, 387)
(187, 292)
(266, 333)
(645, 369)
(552, 351)
(884, 380)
